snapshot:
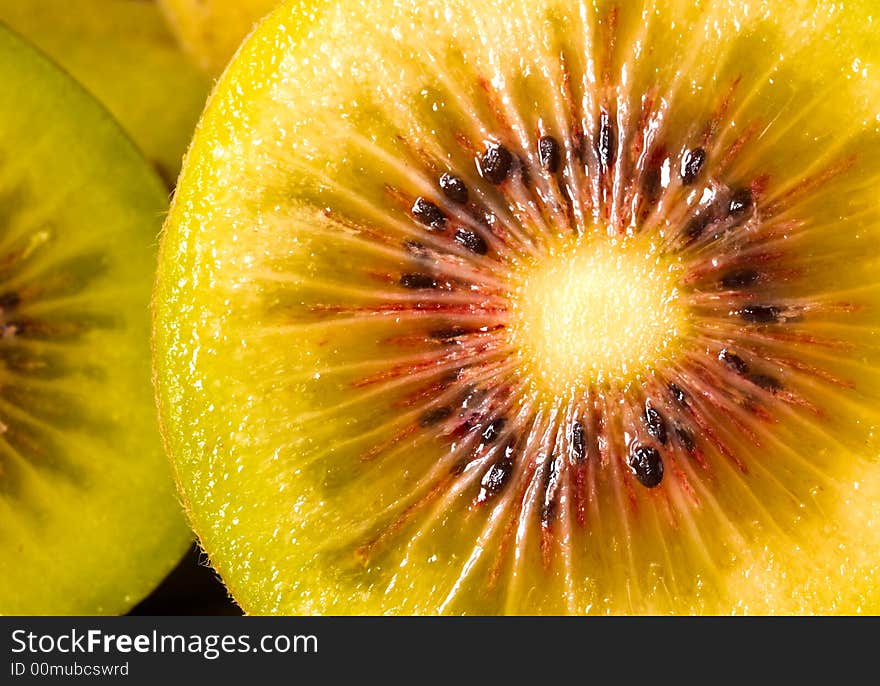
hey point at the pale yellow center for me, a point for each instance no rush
(596, 310)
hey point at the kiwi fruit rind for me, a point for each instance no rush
(211, 30)
(532, 307)
(124, 53)
(90, 520)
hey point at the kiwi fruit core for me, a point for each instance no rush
(621, 314)
(532, 307)
(89, 520)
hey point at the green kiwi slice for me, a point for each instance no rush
(533, 307)
(89, 521)
(124, 54)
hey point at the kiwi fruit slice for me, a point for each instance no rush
(89, 520)
(533, 307)
(211, 30)
(123, 52)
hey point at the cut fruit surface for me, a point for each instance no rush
(532, 307)
(124, 54)
(89, 521)
(599, 311)
(211, 30)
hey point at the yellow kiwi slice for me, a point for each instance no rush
(123, 53)
(211, 30)
(89, 521)
(533, 307)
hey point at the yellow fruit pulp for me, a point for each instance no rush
(266, 400)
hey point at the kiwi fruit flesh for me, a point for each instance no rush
(123, 53)
(211, 30)
(89, 520)
(532, 308)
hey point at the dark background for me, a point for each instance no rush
(192, 588)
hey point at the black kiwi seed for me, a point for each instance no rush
(679, 395)
(652, 185)
(524, 174)
(472, 241)
(454, 188)
(497, 475)
(686, 438)
(451, 377)
(428, 214)
(9, 300)
(691, 165)
(434, 416)
(416, 249)
(647, 465)
(606, 145)
(548, 153)
(548, 510)
(471, 395)
(739, 278)
(418, 281)
(578, 445)
(490, 433)
(655, 424)
(759, 314)
(447, 334)
(740, 202)
(768, 383)
(495, 164)
(734, 361)
(696, 225)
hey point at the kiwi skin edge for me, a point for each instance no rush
(227, 105)
(219, 105)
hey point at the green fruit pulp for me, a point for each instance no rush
(124, 54)
(89, 522)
